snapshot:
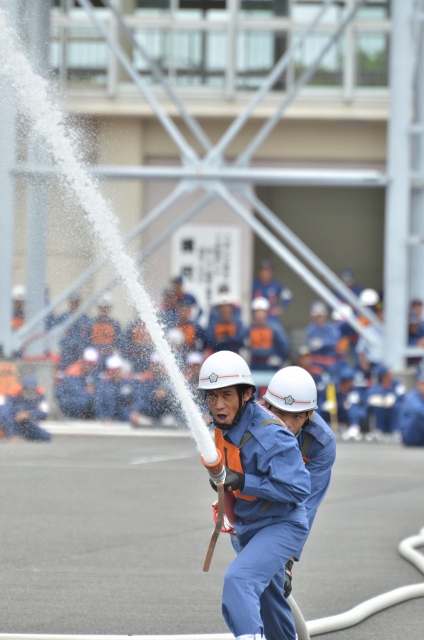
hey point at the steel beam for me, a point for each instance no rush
(275, 74)
(272, 122)
(255, 175)
(22, 334)
(310, 257)
(398, 194)
(191, 122)
(187, 152)
(7, 191)
(57, 332)
(288, 257)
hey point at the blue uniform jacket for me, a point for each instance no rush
(322, 341)
(385, 404)
(225, 335)
(274, 472)
(71, 390)
(262, 348)
(15, 403)
(321, 454)
(76, 338)
(274, 292)
(411, 419)
(113, 400)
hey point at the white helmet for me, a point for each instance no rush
(260, 304)
(369, 297)
(292, 389)
(224, 369)
(18, 292)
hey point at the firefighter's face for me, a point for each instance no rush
(224, 404)
(293, 421)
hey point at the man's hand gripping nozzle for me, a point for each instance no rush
(216, 472)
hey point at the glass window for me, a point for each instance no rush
(192, 58)
(86, 55)
(202, 9)
(330, 70)
(372, 63)
(257, 53)
(306, 12)
(262, 9)
(154, 8)
(375, 10)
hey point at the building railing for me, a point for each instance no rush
(227, 56)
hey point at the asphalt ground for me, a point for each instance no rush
(107, 535)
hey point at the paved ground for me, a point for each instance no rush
(108, 535)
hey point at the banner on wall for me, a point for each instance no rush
(208, 256)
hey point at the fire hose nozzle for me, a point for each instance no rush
(215, 469)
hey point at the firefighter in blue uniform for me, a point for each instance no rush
(411, 418)
(384, 401)
(25, 406)
(76, 387)
(350, 404)
(322, 337)
(137, 345)
(267, 341)
(292, 397)
(265, 286)
(266, 474)
(114, 392)
(194, 336)
(77, 336)
(106, 332)
(225, 331)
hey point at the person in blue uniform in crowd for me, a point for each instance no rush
(268, 342)
(266, 474)
(224, 294)
(154, 401)
(384, 400)
(25, 406)
(177, 285)
(348, 277)
(411, 415)
(225, 331)
(350, 404)
(106, 332)
(114, 392)
(76, 388)
(194, 335)
(322, 337)
(137, 345)
(319, 375)
(265, 286)
(77, 336)
(292, 396)
(369, 348)
(168, 309)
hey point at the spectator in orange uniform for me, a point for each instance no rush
(225, 331)
(76, 389)
(106, 332)
(267, 341)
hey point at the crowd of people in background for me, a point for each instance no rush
(113, 373)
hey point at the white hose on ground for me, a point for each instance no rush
(379, 603)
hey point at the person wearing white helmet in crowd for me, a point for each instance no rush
(292, 397)
(76, 387)
(266, 474)
(225, 331)
(114, 392)
(370, 346)
(106, 332)
(266, 340)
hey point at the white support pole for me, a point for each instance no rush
(7, 194)
(38, 21)
(398, 194)
(417, 220)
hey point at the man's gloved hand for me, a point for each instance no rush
(288, 579)
(233, 481)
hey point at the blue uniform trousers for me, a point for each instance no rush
(253, 599)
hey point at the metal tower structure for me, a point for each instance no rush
(233, 182)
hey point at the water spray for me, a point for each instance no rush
(49, 124)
